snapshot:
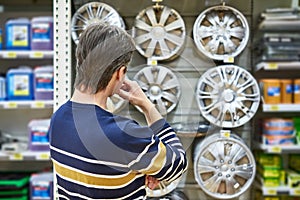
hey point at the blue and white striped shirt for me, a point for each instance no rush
(99, 155)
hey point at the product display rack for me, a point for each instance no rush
(16, 114)
(276, 69)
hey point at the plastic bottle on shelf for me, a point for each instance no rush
(43, 83)
(38, 135)
(42, 33)
(296, 98)
(271, 91)
(20, 83)
(286, 91)
(41, 185)
(18, 34)
(2, 88)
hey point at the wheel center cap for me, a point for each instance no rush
(158, 32)
(228, 96)
(224, 168)
(155, 91)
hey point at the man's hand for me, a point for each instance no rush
(151, 182)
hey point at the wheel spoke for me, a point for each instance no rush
(237, 32)
(174, 25)
(174, 39)
(150, 48)
(205, 31)
(99, 12)
(89, 11)
(82, 18)
(164, 47)
(142, 25)
(161, 75)
(151, 16)
(170, 97)
(142, 38)
(170, 84)
(231, 186)
(164, 16)
(148, 75)
(161, 107)
(213, 45)
(212, 184)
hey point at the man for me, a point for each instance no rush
(97, 154)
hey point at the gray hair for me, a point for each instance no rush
(102, 49)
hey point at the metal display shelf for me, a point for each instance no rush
(277, 148)
(281, 107)
(295, 65)
(26, 104)
(15, 54)
(26, 155)
(281, 190)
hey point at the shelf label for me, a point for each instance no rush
(43, 156)
(38, 104)
(36, 54)
(17, 156)
(274, 107)
(276, 149)
(296, 192)
(272, 66)
(271, 192)
(225, 133)
(152, 62)
(10, 54)
(11, 105)
(229, 59)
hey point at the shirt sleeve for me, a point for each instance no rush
(163, 156)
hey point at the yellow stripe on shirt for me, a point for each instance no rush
(158, 162)
(93, 180)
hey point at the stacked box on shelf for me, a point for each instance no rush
(14, 186)
(297, 128)
(278, 131)
(270, 169)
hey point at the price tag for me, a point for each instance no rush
(276, 149)
(36, 54)
(11, 105)
(38, 104)
(152, 62)
(271, 192)
(272, 66)
(229, 59)
(225, 133)
(274, 108)
(17, 156)
(43, 156)
(10, 54)
(296, 192)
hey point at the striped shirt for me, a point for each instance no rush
(99, 155)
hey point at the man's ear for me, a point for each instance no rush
(121, 72)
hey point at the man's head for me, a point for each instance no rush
(102, 50)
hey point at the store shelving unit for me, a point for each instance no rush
(16, 114)
(278, 69)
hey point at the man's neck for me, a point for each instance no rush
(99, 98)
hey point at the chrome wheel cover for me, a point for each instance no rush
(228, 96)
(159, 32)
(115, 103)
(220, 32)
(163, 188)
(224, 167)
(91, 13)
(161, 86)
